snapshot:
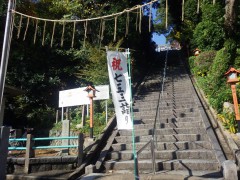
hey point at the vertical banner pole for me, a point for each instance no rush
(132, 117)
(5, 52)
(106, 111)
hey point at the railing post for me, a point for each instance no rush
(153, 156)
(29, 153)
(80, 148)
(136, 166)
(65, 133)
(4, 138)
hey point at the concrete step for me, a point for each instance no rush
(169, 119)
(161, 175)
(177, 112)
(166, 95)
(167, 154)
(164, 131)
(165, 100)
(181, 164)
(163, 138)
(165, 111)
(180, 145)
(170, 125)
(164, 105)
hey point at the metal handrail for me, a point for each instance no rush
(160, 99)
(155, 121)
(43, 138)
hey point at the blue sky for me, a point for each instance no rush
(158, 39)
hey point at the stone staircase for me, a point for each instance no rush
(185, 142)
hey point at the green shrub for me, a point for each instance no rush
(219, 96)
(203, 63)
(237, 60)
(191, 62)
(215, 84)
(231, 47)
(219, 67)
(229, 122)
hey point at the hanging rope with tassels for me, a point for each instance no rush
(73, 35)
(25, 33)
(19, 27)
(166, 22)
(183, 4)
(63, 32)
(138, 8)
(127, 24)
(35, 34)
(53, 32)
(140, 20)
(44, 30)
(115, 29)
(198, 6)
(150, 18)
(137, 19)
(85, 34)
(102, 31)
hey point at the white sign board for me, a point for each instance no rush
(77, 96)
(102, 92)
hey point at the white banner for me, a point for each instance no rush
(119, 82)
(77, 96)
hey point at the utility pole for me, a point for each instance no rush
(5, 52)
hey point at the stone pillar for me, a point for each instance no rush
(65, 133)
(2, 112)
(30, 153)
(229, 170)
(4, 138)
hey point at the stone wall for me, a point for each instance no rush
(16, 165)
(58, 133)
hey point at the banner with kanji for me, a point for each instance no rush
(119, 83)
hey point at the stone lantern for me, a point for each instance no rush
(196, 52)
(232, 79)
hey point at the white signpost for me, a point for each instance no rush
(77, 96)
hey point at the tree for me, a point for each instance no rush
(42, 70)
(231, 16)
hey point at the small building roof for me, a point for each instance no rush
(231, 70)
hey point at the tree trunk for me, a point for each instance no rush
(230, 17)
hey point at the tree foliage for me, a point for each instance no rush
(42, 71)
(208, 35)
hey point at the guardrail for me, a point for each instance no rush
(21, 147)
(30, 148)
